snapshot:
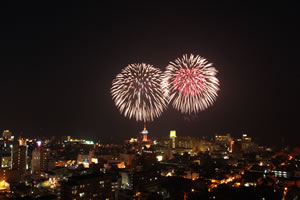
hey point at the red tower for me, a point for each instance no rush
(144, 142)
(144, 134)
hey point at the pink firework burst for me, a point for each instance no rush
(190, 84)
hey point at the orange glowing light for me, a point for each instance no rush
(4, 185)
(138, 194)
(121, 165)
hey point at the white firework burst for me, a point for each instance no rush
(137, 92)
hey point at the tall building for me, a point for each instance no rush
(248, 145)
(40, 159)
(19, 156)
(245, 145)
(144, 142)
(173, 138)
(144, 134)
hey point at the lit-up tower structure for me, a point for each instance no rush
(143, 139)
(144, 134)
(173, 138)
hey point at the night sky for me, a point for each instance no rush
(58, 62)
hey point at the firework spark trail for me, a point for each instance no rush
(138, 93)
(191, 84)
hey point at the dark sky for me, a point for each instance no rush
(58, 61)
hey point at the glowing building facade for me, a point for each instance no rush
(19, 156)
(144, 141)
(173, 138)
(40, 159)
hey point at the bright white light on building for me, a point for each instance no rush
(132, 140)
(81, 194)
(159, 158)
(169, 174)
(88, 142)
(39, 143)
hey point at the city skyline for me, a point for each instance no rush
(58, 63)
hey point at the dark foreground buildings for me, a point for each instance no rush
(86, 187)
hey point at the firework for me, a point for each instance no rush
(191, 84)
(137, 92)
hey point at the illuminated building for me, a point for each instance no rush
(94, 160)
(225, 141)
(19, 156)
(173, 138)
(185, 142)
(175, 144)
(246, 144)
(144, 142)
(286, 171)
(40, 159)
(5, 159)
(144, 134)
(85, 187)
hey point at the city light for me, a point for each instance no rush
(88, 142)
(4, 185)
(159, 158)
(172, 134)
(173, 155)
(39, 143)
